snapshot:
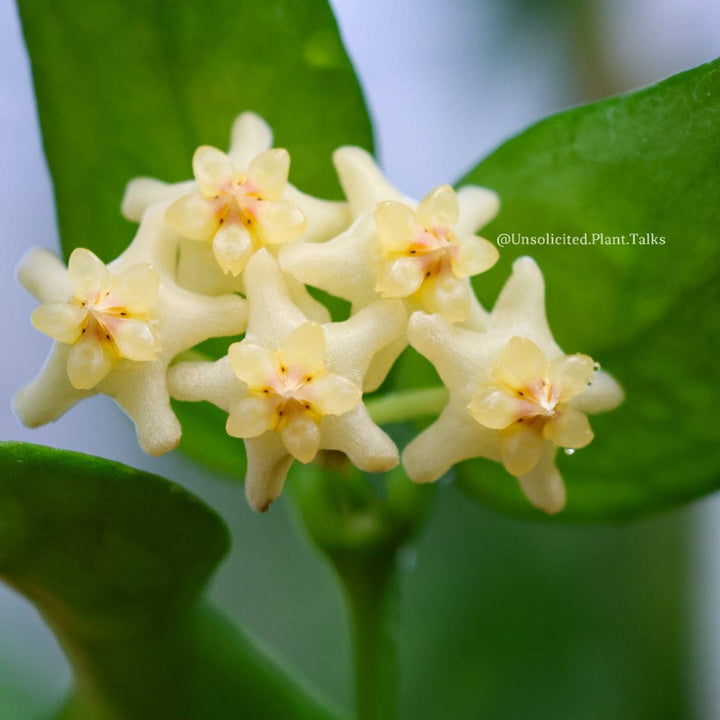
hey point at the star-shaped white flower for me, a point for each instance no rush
(421, 253)
(515, 397)
(116, 329)
(293, 387)
(241, 201)
(106, 318)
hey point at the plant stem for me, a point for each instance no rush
(371, 590)
(407, 404)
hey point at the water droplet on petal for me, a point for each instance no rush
(569, 451)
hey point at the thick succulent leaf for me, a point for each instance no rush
(101, 542)
(133, 87)
(645, 163)
(115, 560)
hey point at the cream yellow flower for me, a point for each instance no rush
(106, 318)
(423, 253)
(237, 210)
(241, 201)
(116, 329)
(527, 400)
(292, 387)
(289, 391)
(424, 258)
(515, 396)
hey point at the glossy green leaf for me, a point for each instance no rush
(132, 87)
(646, 163)
(115, 559)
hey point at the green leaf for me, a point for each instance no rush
(645, 163)
(133, 87)
(115, 559)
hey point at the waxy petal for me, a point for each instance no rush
(140, 389)
(439, 209)
(333, 394)
(268, 173)
(233, 248)
(135, 290)
(301, 437)
(279, 221)
(194, 216)
(61, 321)
(251, 417)
(571, 375)
(135, 339)
(89, 361)
(181, 320)
(396, 225)
(521, 447)
(522, 363)
(495, 409)
(253, 364)
(472, 256)
(400, 278)
(569, 428)
(88, 274)
(448, 296)
(304, 350)
(213, 170)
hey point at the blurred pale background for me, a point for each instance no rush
(446, 81)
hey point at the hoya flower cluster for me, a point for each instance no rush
(233, 250)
